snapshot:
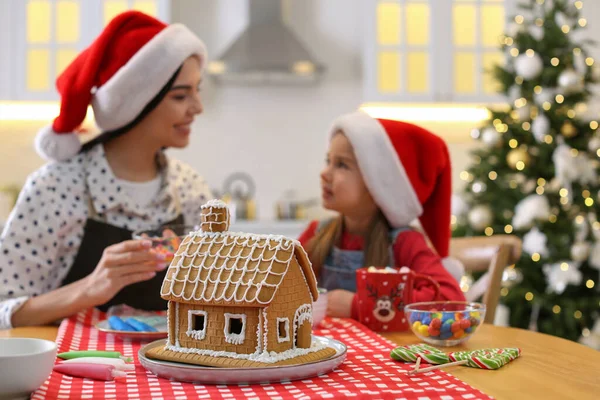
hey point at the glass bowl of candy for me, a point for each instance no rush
(167, 238)
(445, 323)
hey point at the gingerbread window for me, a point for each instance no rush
(235, 328)
(196, 324)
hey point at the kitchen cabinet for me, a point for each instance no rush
(432, 50)
(43, 36)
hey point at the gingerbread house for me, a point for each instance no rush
(238, 297)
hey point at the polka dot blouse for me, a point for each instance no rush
(43, 233)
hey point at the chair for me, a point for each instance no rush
(491, 254)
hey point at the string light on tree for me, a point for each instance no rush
(518, 158)
(568, 130)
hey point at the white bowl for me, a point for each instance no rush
(25, 364)
(320, 307)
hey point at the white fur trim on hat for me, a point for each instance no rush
(54, 146)
(130, 89)
(383, 173)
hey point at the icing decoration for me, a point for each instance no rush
(93, 353)
(115, 362)
(139, 325)
(234, 338)
(265, 356)
(303, 313)
(220, 261)
(197, 334)
(100, 372)
(118, 324)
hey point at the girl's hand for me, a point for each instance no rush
(122, 264)
(339, 303)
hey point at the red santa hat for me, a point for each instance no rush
(407, 171)
(118, 74)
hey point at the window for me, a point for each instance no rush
(197, 320)
(235, 328)
(283, 330)
(48, 35)
(430, 50)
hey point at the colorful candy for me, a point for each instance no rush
(139, 325)
(93, 353)
(444, 325)
(118, 324)
(100, 372)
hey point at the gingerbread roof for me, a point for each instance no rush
(228, 268)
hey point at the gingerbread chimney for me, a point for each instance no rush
(215, 216)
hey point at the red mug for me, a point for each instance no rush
(382, 295)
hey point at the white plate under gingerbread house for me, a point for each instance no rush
(221, 376)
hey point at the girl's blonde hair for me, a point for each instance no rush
(377, 242)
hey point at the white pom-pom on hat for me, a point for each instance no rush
(53, 146)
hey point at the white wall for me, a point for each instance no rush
(276, 134)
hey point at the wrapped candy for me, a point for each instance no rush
(483, 359)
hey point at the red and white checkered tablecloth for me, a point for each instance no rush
(368, 372)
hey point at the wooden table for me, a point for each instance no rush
(549, 368)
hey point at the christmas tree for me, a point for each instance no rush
(535, 173)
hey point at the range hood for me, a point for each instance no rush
(266, 52)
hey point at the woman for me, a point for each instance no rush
(67, 244)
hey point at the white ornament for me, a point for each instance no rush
(570, 81)
(594, 144)
(531, 208)
(537, 32)
(546, 95)
(535, 242)
(490, 136)
(524, 113)
(593, 338)
(514, 93)
(561, 19)
(594, 259)
(564, 167)
(580, 251)
(459, 206)
(540, 127)
(529, 67)
(513, 29)
(579, 63)
(558, 279)
(478, 187)
(529, 186)
(480, 217)
(511, 276)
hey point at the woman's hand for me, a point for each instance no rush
(122, 264)
(339, 303)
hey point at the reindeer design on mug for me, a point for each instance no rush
(384, 310)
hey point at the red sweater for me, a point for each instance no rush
(410, 250)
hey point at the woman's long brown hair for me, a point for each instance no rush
(377, 242)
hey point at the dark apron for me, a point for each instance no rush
(339, 269)
(97, 236)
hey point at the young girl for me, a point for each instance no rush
(379, 176)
